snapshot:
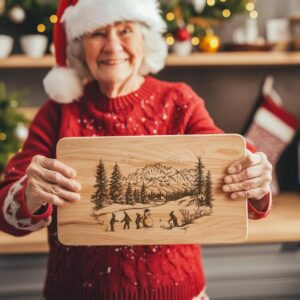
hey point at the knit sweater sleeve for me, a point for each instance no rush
(15, 218)
(200, 122)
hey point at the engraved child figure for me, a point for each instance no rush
(138, 220)
(113, 220)
(126, 221)
(173, 219)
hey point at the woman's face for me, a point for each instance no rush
(114, 53)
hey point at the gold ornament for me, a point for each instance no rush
(210, 43)
(3, 136)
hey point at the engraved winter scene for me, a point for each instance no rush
(156, 195)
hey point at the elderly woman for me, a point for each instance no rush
(105, 51)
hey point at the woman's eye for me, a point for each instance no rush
(98, 34)
(125, 31)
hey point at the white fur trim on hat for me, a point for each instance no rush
(63, 85)
(88, 15)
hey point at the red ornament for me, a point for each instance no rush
(182, 35)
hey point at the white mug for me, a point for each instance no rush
(34, 45)
(6, 45)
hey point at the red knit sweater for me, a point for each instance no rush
(166, 272)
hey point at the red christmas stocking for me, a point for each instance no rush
(272, 128)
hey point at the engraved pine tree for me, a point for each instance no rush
(143, 194)
(115, 185)
(129, 199)
(136, 196)
(208, 191)
(197, 197)
(100, 197)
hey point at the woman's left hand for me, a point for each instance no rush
(249, 177)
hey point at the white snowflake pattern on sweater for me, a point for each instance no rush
(11, 208)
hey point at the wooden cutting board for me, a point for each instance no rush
(142, 190)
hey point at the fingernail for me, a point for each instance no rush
(78, 186)
(72, 173)
(227, 179)
(231, 170)
(233, 196)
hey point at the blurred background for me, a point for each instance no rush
(240, 56)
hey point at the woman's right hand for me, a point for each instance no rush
(50, 181)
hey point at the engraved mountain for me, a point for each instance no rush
(160, 178)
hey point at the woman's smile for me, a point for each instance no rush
(112, 62)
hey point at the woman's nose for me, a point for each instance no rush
(113, 44)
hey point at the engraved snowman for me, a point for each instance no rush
(147, 221)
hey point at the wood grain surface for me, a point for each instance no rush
(141, 190)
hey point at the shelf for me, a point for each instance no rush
(22, 61)
(236, 59)
(195, 59)
(33, 243)
(282, 225)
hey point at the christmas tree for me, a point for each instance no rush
(12, 125)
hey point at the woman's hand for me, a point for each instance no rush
(249, 178)
(49, 181)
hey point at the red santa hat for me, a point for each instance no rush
(77, 17)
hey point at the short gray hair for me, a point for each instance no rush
(155, 53)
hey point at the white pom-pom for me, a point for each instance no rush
(63, 85)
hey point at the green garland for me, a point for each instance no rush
(9, 120)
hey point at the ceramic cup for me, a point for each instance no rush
(34, 45)
(6, 45)
(182, 48)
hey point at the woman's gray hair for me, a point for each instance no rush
(155, 53)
